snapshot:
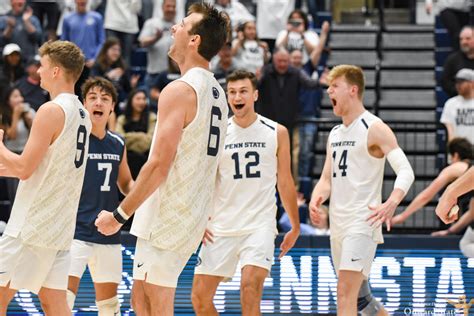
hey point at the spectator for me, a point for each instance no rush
(156, 37)
(121, 21)
(84, 28)
(12, 68)
(110, 64)
(458, 112)
(454, 14)
(297, 35)
(460, 150)
(309, 103)
(21, 27)
(29, 85)
(248, 51)
(69, 6)
(137, 125)
(271, 18)
(237, 12)
(48, 13)
(463, 58)
(279, 89)
(181, 8)
(223, 64)
(16, 117)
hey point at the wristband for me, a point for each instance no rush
(120, 215)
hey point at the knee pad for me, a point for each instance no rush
(71, 298)
(371, 308)
(366, 303)
(109, 307)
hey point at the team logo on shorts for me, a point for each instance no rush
(215, 93)
(198, 262)
(82, 113)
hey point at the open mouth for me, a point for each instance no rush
(97, 113)
(239, 106)
(334, 102)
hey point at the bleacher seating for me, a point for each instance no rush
(407, 101)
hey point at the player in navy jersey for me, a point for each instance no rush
(107, 171)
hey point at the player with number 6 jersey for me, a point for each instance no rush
(173, 192)
(35, 246)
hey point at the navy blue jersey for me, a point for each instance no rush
(99, 191)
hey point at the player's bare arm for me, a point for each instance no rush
(381, 143)
(322, 190)
(42, 135)
(462, 185)
(447, 175)
(124, 181)
(286, 189)
(177, 108)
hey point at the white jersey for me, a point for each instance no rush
(245, 197)
(356, 180)
(45, 207)
(174, 217)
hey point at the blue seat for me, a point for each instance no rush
(138, 58)
(306, 187)
(441, 53)
(442, 38)
(322, 16)
(441, 97)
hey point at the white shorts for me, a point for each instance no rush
(466, 244)
(353, 253)
(157, 266)
(104, 261)
(29, 267)
(221, 257)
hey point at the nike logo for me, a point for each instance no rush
(267, 259)
(139, 265)
(3, 272)
(357, 259)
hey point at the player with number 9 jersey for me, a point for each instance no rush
(35, 245)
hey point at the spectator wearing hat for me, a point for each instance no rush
(458, 111)
(12, 68)
(29, 85)
(462, 58)
(21, 27)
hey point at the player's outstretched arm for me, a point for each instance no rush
(42, 135)
(447, 175)
(382, 142)
(177, 106)
(322, 190)
(286, 189)
(462, 185)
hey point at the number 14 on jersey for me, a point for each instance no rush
(342, 165)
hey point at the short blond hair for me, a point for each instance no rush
(353, 75)
(66, 55)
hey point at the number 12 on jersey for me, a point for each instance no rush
(342, 163)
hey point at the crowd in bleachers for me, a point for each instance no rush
(127, 43)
